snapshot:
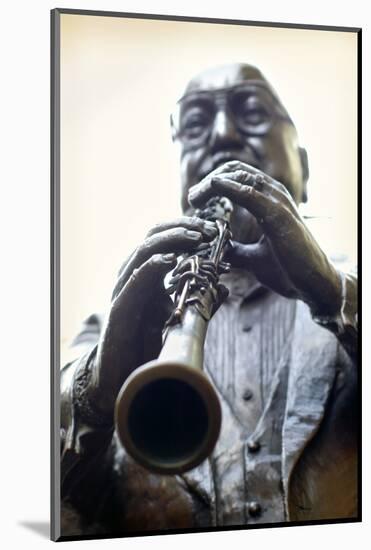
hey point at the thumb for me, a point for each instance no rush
(242, 255)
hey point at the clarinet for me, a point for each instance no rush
(167, 413)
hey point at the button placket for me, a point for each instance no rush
(264, 502)
(247, 395)
(254, 509)
(253, 446)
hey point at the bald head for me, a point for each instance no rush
(227, 76)
(223, 76)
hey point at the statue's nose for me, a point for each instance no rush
(224, 132)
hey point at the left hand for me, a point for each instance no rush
(287, 258)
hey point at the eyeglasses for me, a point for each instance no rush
(252, 107)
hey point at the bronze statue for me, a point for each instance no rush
(280, 349)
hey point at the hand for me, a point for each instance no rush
(133, 330)
(287, 258)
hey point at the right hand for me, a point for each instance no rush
(132, 334)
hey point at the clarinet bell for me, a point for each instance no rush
(168, 414)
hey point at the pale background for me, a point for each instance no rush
(25, 274)
(120, 79)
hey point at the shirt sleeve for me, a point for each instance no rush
(345, 323)
(85, 433)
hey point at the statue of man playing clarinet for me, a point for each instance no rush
(280, 349)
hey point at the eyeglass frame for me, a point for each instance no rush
(276, 110)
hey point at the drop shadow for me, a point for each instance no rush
(42, 528)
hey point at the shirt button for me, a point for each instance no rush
(254, 509)
(253, 446)
(247, 395)
(246, 328)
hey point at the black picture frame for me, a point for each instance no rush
(55, 254)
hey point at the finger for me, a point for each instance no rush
(223, 292)
(233, 166)
(261, 261)
(158, 266)
(116, 350)
(256, 180)
(242, 255)
(200, 193)
(144, 279)
(178, 240)
(207, 228)
(261, 182)
(260, 205)
(222, 295)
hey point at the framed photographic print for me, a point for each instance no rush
(205, 313)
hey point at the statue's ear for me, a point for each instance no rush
(305, 170)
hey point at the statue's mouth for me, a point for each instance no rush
(214, 161)
(223, 157)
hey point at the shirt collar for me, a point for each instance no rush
(242, 285)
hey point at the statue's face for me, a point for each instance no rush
(232, 113)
